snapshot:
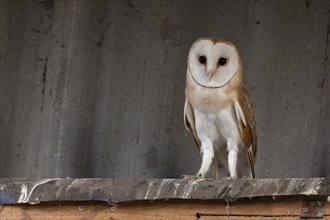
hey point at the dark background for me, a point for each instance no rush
(96, 88)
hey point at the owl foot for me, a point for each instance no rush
(193, 177)
(189, 177)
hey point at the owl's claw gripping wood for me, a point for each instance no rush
(192, 177)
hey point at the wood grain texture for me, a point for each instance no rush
(280, 209)
(128, 190)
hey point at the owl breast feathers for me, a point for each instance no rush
(217, 110)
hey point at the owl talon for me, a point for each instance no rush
(188, 177)
(201, 176)
(193, 177)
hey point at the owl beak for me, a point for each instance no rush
(210, 74)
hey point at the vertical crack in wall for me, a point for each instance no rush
(326, 56)
(43, 81)
(325, 87)
(321, 85)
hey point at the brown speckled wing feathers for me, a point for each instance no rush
(249, 133)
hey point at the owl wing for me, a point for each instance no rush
(189, 121)
(245, 116)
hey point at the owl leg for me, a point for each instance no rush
(207, 157)
(232, 163)
(232, 148)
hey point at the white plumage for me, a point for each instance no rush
(217, 110)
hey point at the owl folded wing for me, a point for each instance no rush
(245, 116)
(189, 121)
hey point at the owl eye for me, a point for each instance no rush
(202, 59)
(222, 61)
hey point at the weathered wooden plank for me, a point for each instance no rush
(124, 190)
(284, 208)
(159, 198)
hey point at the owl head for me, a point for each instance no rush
(213, 62)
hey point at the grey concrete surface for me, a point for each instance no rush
(96, 88)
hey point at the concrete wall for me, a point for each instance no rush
(96, 88)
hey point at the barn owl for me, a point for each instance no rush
(217, 110)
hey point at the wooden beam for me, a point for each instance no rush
(126, 190)
(264, 208)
